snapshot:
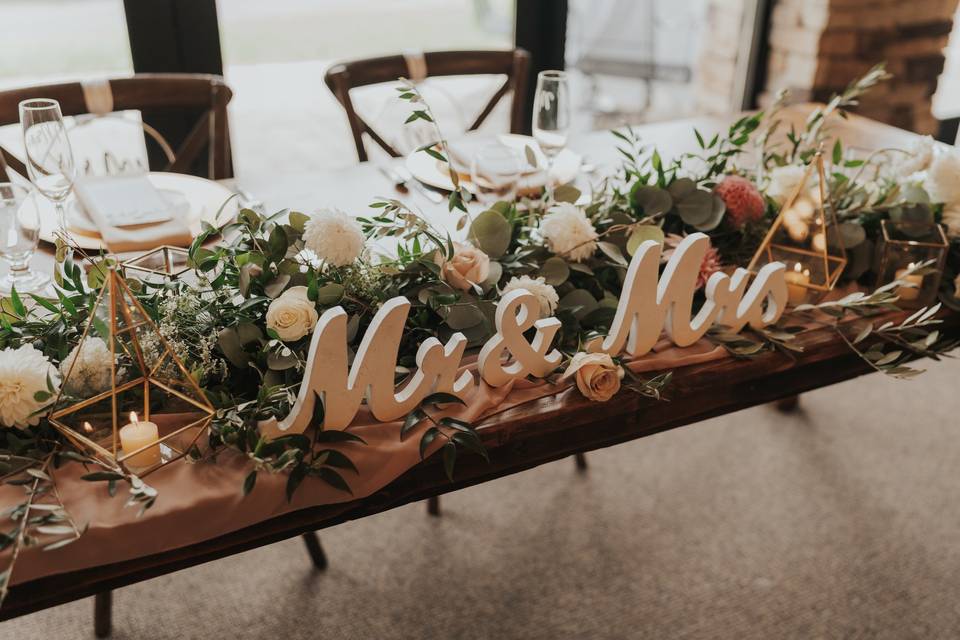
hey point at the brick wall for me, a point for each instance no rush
(818, 46)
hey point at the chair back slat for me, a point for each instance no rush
(514, 64)
(204, 97)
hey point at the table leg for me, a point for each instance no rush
(788, 404)
(102, 614)
(581, 460)
(433, 505)
(315, 549)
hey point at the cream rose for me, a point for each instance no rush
(597, 375)
(292, 315)
(467, 267)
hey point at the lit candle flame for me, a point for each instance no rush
(133, 418)
(796, 267)
(88, 427)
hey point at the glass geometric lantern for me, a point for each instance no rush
(805, 237)
(905, 245)
(126, 398)
(157, 265)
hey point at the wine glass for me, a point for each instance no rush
(551, 116)
(50, 164)
(495, 170)
(19, 234)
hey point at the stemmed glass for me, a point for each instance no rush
(495, 170)
(19, 234)
(50, 164)
(551, 116)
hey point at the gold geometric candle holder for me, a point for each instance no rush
(148, 411)
(805, 237)
(904, 246)
(166, 262)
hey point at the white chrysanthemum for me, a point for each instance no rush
(917, 156)
(546, 295)
(23, 372)
(334, 236)
(943, 177)
(568, 232)
(784, 182)
(89, 367)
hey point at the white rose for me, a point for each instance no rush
(292, 315)
(546, 295)
(917, 156)
(597, 375)
(943, 177)
(334, 237)
(467, 267)
(568, 232)
(86, 369)
(23, 373)
(784, 182)
(951, 218)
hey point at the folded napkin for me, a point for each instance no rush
(130, 214)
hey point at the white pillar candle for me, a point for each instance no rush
(139, 434)
(797, 282)
(909, 293)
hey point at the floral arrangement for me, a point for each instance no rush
(243, 322)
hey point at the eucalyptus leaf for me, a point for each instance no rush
(566, 193)
(277, 285)
(491, 233)
(580, 301)
(696, 208)
(681, 188)
(641, 234)
(555, 271)
(653, 200)
(330, 294)
(462, 316)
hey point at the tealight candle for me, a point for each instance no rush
(139, 434)
(909, 293)
(797, 282)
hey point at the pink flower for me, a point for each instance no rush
(711, 260)
(743, 200)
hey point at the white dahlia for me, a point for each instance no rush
(568, 232)
(334, 236)
(943, 177)
(23, 373)
(88, 365)
(545, 294)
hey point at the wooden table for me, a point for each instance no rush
(524, 437)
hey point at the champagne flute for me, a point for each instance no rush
(551, 116)
(495, 171)
(50, 164)
(19, 234)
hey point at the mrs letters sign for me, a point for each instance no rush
(650, 304)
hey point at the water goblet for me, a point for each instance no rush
(19, 235)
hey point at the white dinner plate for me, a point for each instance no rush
(197, 198)
(432, 172)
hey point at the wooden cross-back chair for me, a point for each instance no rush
(514, 64)
(195, 103)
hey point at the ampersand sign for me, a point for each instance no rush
(517, 312)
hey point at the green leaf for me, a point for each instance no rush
(491, 233)
(339, 436)
(428, 437)
(297, 474)
(17, 303)
(837, 151)
(449, 459)
(579, 301)
(441, 397)
(555, 271)
(471, 442)
(97, 476)
(641, 234)
(413, 418)
(334, 479)
(249, 482)
(566, 193)
(338, 459)
(652, 200)
(330, 294)
(298, 220)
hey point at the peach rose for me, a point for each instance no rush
(597, 375)
(468, 266)
(292, 315)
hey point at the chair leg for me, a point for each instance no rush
(581, 460)
(433, 505)
(788, 404)
(315, 549)
(102, 614)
